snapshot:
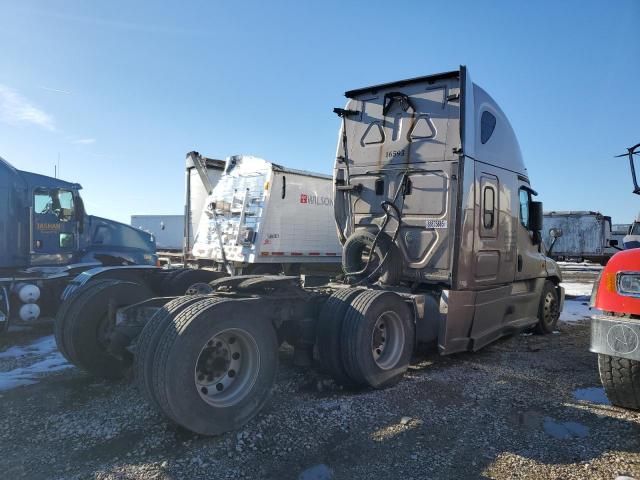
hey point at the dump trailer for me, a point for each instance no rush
(441, 245)
(615, 328)
(47, 239)
(585, 235)
(264, 218)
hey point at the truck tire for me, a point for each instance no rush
(143, 359)
(67, 306)
(620, 378)
(87, 326)
(329, 335)
(378, 335)
(355, 251)
(216, 366)
(180, 283)
(549, 309)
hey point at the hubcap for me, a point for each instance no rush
(227, 367)
(550, 308)
(387, 340)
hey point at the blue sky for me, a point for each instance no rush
(122, 90)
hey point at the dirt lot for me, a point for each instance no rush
(526, 407)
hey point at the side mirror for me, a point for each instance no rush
(555, 232)
(613, 243)
(535, 216)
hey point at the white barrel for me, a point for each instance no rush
(29, 312)
(27, 292)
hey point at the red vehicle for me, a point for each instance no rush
(615, 334)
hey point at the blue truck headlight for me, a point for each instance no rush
(629, 284)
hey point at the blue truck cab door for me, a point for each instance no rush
(54, 226)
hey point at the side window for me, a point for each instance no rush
(65, 201)
(42, 202)
(524, 207)
(53, 201)
(489, 206)
(487, 125)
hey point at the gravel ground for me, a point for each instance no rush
(525, 407)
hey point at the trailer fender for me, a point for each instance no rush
(137, 273)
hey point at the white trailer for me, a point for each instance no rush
(264, 218)
(585, 235)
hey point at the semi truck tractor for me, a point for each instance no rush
(615, 330)
(441, 245)
(47, 239)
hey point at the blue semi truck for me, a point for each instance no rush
(47, 240)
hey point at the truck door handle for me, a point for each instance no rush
(519, 263)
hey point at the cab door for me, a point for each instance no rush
(53, 226)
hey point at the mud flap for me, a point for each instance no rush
(615, 336)
(456, 319)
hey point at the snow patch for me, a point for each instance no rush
(45, 359)
(577, 289)
(575, 310)
(41, 346)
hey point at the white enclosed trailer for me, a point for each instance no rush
(585, 235)
(260, 213)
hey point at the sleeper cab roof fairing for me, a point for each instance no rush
(501, 148)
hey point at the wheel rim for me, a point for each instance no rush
(227, 367)
(550, 308)
(387, 340)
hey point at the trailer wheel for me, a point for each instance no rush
(377, 338)
(90, 320)
(356, 251)
(143, 363)
(216, 366)
(621, 380)
(180, 283)
(549, 309)
(329, 334)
